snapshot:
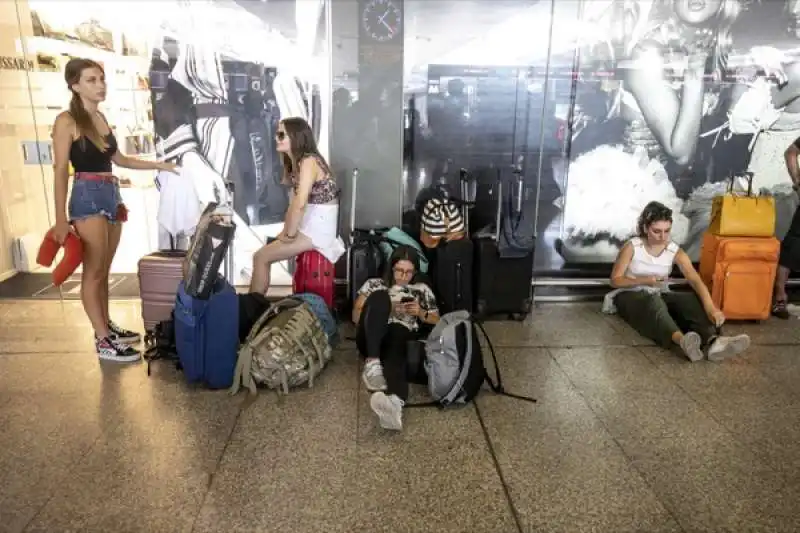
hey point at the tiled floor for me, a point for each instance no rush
(625, 437)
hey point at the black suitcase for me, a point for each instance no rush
(502, 285)
(451, 262)
(365, 259)
(453, 279)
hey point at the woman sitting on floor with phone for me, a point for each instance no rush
(388, 313)
(643, 298)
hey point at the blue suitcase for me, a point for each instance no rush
(207, 335)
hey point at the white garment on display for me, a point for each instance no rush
(178, 206)
(208, 184)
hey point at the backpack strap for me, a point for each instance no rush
(242, 374)
(497, 386)
(456, 391)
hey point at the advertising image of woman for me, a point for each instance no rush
(83, 138)
(312, 218)
(665, 51)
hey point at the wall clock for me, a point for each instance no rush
(381, 20)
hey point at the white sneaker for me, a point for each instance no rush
(373, 376)
(724, 347)
(389, 410)
(112, 350)
(691, 344)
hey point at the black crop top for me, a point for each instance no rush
(86, 157)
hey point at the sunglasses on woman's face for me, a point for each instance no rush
(280, 135)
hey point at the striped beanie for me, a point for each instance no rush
(441, 217)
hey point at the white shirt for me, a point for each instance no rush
(644, 264)
(178, 206)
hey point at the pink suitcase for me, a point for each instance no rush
(160, 273)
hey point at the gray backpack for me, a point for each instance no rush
(454, 362)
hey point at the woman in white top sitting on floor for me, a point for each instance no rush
(642, 297)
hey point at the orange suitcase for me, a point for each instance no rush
(740, 273)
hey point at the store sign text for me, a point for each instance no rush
(15, 63)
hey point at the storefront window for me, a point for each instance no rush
(486, 92)
(200, 83)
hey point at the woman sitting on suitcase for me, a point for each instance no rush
(313, 215)
(389, 312)
(643, 299)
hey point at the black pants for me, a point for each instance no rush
(377, 338)
(658, 315)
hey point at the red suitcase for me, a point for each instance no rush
(160, 273)
(314, 274)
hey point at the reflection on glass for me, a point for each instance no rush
(203, 84)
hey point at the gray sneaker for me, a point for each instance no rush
(691, 344)
(373, 376)
(389, 410)
(725, 347)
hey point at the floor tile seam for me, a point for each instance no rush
(783, 386)
(68, 475)
(212, 474)
(673, 513)
(733, 436)
(791, 391)
(498, 469)
(46, 353)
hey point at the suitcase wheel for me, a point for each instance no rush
(518, 317)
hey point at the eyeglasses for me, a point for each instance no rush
(403, 272)
(280, 135)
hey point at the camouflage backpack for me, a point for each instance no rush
(286, 347)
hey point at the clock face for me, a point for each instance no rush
(381, 20)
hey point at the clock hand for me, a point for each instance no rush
(391, 30)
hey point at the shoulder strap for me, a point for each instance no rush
(497, 386)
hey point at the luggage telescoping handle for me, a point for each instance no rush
(348, 258)
(519, 173)
(353, 196)
(463, 179)
(498, 216)
(228, 267)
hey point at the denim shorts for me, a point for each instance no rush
(94, 197)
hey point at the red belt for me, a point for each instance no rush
(93, 176)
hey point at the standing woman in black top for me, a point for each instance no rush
(83, 137)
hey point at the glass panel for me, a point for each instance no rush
(199, 83)
(673, 99)
(480, 97)
(217, 100)
(26, 209)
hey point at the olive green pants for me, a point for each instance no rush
(658, 315)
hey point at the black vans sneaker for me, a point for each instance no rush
(123, 335)
(111, 350)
